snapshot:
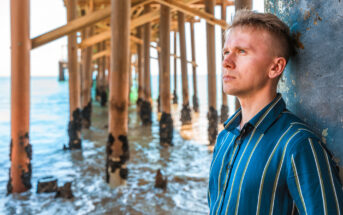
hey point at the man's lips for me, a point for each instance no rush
(228, 78)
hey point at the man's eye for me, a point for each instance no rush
(226, 52)
(242, 51)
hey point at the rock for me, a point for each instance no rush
(65, 191)
(47, 185)
(160, 182)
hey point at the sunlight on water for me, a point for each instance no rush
(186, 164)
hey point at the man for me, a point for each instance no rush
(266, 160)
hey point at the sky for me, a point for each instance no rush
(47, 15)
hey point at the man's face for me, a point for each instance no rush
(247, 58)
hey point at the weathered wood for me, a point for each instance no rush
(145, 111)
(140, 67)
(185, 112)
(175, 69)
(211, 69)
(86, 58)
(71, 27)
(183, 7)
(195, 89)
(117, 145)
(77, 24)
(20, 148)
(149, 17)
(74, 128)
(224, 108)
(243, 4)
(166, 122)
(61, 71)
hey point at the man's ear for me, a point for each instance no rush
(279, 64)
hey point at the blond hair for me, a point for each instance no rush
(270, 23)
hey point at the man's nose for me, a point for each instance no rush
(228, 61)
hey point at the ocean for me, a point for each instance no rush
(186, 164)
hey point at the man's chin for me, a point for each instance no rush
(230, 92)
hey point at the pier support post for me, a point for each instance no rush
(20, 149)
(61, 71)
(117, 149)
(186, 117)
(175, 69)
(166, 122)
(140, 68)
(224, 111)
(145, 111)
(195, 89)
(86, 110)
(74, 127)
(211, 68)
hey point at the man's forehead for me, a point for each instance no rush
(246, 35)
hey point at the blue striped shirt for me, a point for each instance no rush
(274, 165)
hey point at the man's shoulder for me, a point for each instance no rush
(292, 126)
(296, 130)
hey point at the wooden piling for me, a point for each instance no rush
(224, 111)
(20, 148)
(101, 80)
(186, 111)
(61, 71)
(243, 4)
(211, 68)
(145, 112)
(166, 122)
(175, 69)
(86, 57)
(117, 146)
(140, 54)
(195, 89)
(74, 127)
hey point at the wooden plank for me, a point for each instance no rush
(76, 25)
(71, 27)
(193, 12)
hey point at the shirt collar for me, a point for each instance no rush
(263, 119)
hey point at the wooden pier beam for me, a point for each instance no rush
(74, 127)
(175, 69)
(186, 117)
(140, 54)
(20, 148)
(195, 89)
(211, 69)
(86, 58)
(117, 146)
(224, 111)
(145, 111)
(166, 122)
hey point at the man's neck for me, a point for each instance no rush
(253, 104)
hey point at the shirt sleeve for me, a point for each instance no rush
(312, 180)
